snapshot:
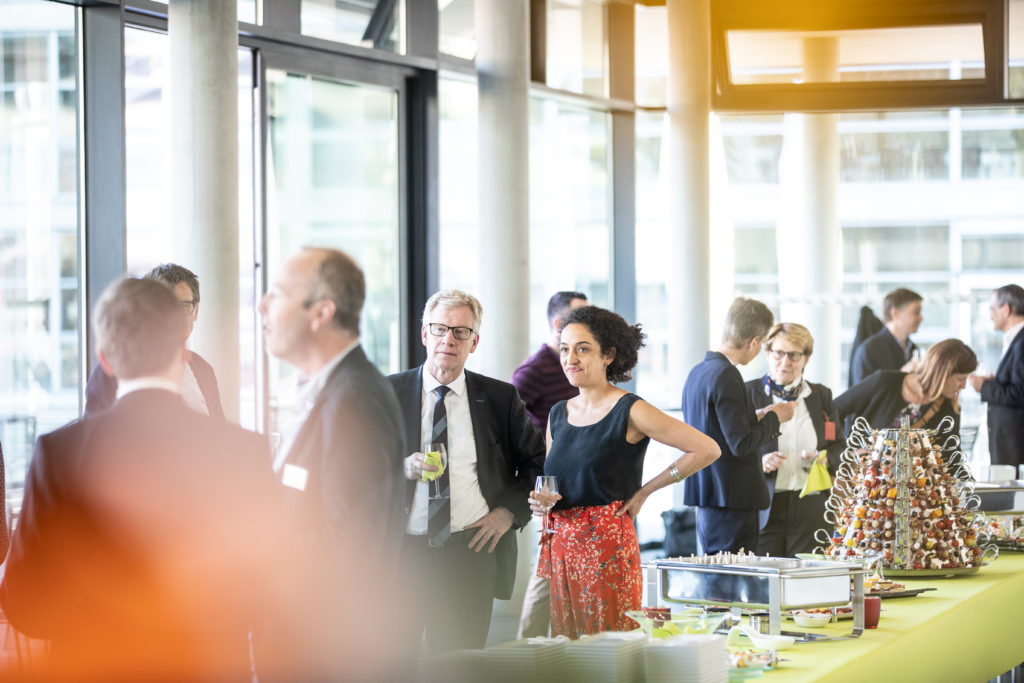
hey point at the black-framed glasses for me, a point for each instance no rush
(794, 356)
(460, 333)
(189, 307)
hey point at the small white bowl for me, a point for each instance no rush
(811, 619)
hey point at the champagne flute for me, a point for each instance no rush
(545, 493)
(437, 455)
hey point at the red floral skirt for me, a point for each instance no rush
(593, 562)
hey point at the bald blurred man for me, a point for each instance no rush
(340, 470)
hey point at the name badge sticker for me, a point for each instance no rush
(295, 477)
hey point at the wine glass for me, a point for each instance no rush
(437, 455)
(545, 493)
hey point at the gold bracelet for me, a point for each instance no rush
(674, 471)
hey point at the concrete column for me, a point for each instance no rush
(503, 77)
(687, 161)
(503, 73)
(204, 178)
(808, 237)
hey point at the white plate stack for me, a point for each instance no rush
(687, 659)
(610, 657)
(537, 660)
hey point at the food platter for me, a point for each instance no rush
(926, 573)
(913, 592)
(909, 573)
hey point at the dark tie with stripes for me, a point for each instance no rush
(439, 510)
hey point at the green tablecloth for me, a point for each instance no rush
(970, 629)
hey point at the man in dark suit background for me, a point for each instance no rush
(199, 383)
(891, 347)
(494, 457)
(146, 543)
(1004, 391)
(340, 467)
(730, 492)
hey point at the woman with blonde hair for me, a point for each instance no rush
(926, 396)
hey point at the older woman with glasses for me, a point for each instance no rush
(926, 396)
(788, 525)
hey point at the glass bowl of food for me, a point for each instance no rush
(661, 622)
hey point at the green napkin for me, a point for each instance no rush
(818, 478)
(434, 458)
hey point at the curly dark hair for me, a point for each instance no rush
(611, 332)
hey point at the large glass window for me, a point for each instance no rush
(39, 238)
(570, 205)
(577, 46)
(459, 209)
(150, 237)
(378, 24)
(332, 180)
(570, 200)
(249, 11)
(456, 33)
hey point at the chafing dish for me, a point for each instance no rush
(1002, 497)
(751, 581)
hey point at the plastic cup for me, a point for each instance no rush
(872, 610)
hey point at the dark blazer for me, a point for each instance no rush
(880, 351)
(867, 324)
(145, 545)
(821, 409)
(716, 402)
(352, 445)
(1004, 395)
(347, 522)
(879, 399)
(509, 450)
(101, 389)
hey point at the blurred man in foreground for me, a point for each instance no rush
(340, 470)
(146, 540)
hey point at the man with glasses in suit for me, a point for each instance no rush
(461, 552)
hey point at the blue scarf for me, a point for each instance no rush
(771, 388)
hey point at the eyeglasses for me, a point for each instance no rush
(794, 356)
(189, 306)
(460, 333)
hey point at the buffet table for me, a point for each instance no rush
(967, 630)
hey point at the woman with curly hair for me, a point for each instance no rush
(596, 445)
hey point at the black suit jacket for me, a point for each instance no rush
(352, 445)
(509, 453)
(716, 402)
(880, 351)
(145, 544)
(821, 410)
(1004, 395)
(346, 523)
(101, 389)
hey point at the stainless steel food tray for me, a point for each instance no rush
(772, 583)
(1002, 497)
